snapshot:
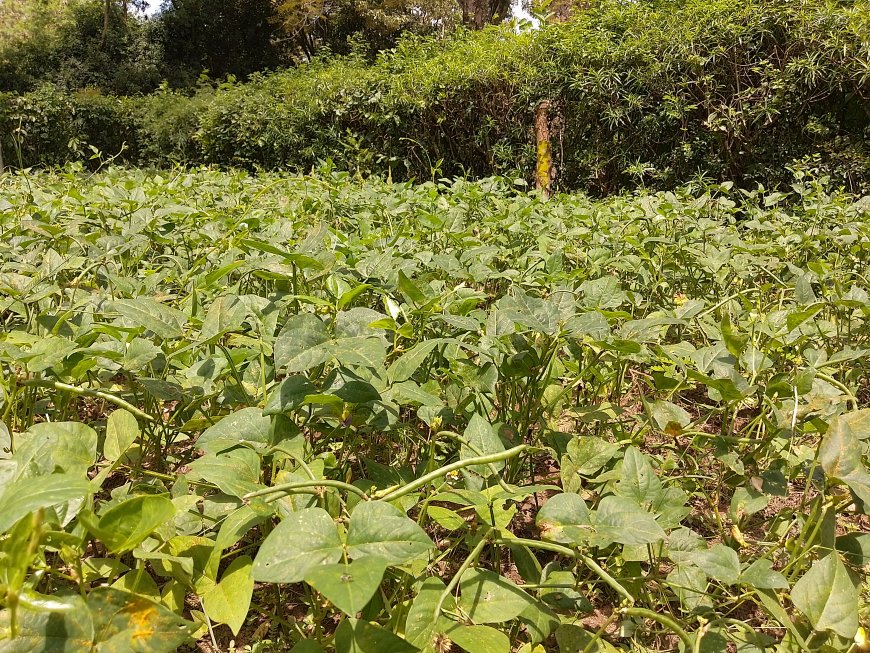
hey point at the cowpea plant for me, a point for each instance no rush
(312, 414)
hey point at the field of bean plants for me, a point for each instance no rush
(314, 413)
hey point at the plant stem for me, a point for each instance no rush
(288, 488)
(391, 494)
(88, 392)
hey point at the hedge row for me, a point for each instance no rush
(653, 94)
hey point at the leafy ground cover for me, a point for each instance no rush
(316, 413)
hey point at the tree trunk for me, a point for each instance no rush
(107, 11)
(479, 13)
(545, 172)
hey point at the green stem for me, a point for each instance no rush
(88, 392)
(288, 488)
(565, 551)
(472, 557)
(664, 620)
(391, 494)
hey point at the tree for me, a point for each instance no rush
(479, 13)
(223, 37)
(312, 24)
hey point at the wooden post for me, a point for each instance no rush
(545, 172)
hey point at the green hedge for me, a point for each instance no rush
(648, 94)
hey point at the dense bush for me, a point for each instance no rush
(644, 94)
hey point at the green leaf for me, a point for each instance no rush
(126, 525)
(307, 646)
(489, 598)
(289, 396)
(300, 336)
(638, 480)
(358, 636)
(247, 425)
(719, 562)
(48, 446)
(122, 430)
(235, 472)
(303, 540)
(479, 639)
(25, 495)
(416, 296)
(760, 575)
(827, 596)
(565, 518)
(840, 454)
(162, 320)
(446, 518)
(229, 600)
(225, 314)
(735, 342)
(622, 520)
(482, 436)
(381, 530)
(573, 639)
(668, 417)
(589, 454)
(349, 587)
(126, 623)
(420, 625)
(856, 548)
(66, 630)
(404, 367)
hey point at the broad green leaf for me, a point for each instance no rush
(760, 574)
(289, 395)
(307, 646)
(482, 440)
(856, 548)
(573, 639)
(162, 320)
(689, 583)
(420, 625)
(446, 518)
(411, 290)
(840, 454)
(300, 336)
(604, 292)
(539, 621)
(349, 587)
(489, 598)
(668, 417)
(303, 540)
(122, 430)
(358, 636)
(26, 495)
(404, 367)
(66, 630)
(48, 446)
(236, 472)
(126, 623)
(479, 639)
(229, 600)
(247, 425)
(720, 562)
(381, 530)
(622, 520)
(126, 525)
(226, 313)
(827, 596)
(638, 480)
(589, 454)
(565, 518)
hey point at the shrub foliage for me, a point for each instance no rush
(645, 94)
